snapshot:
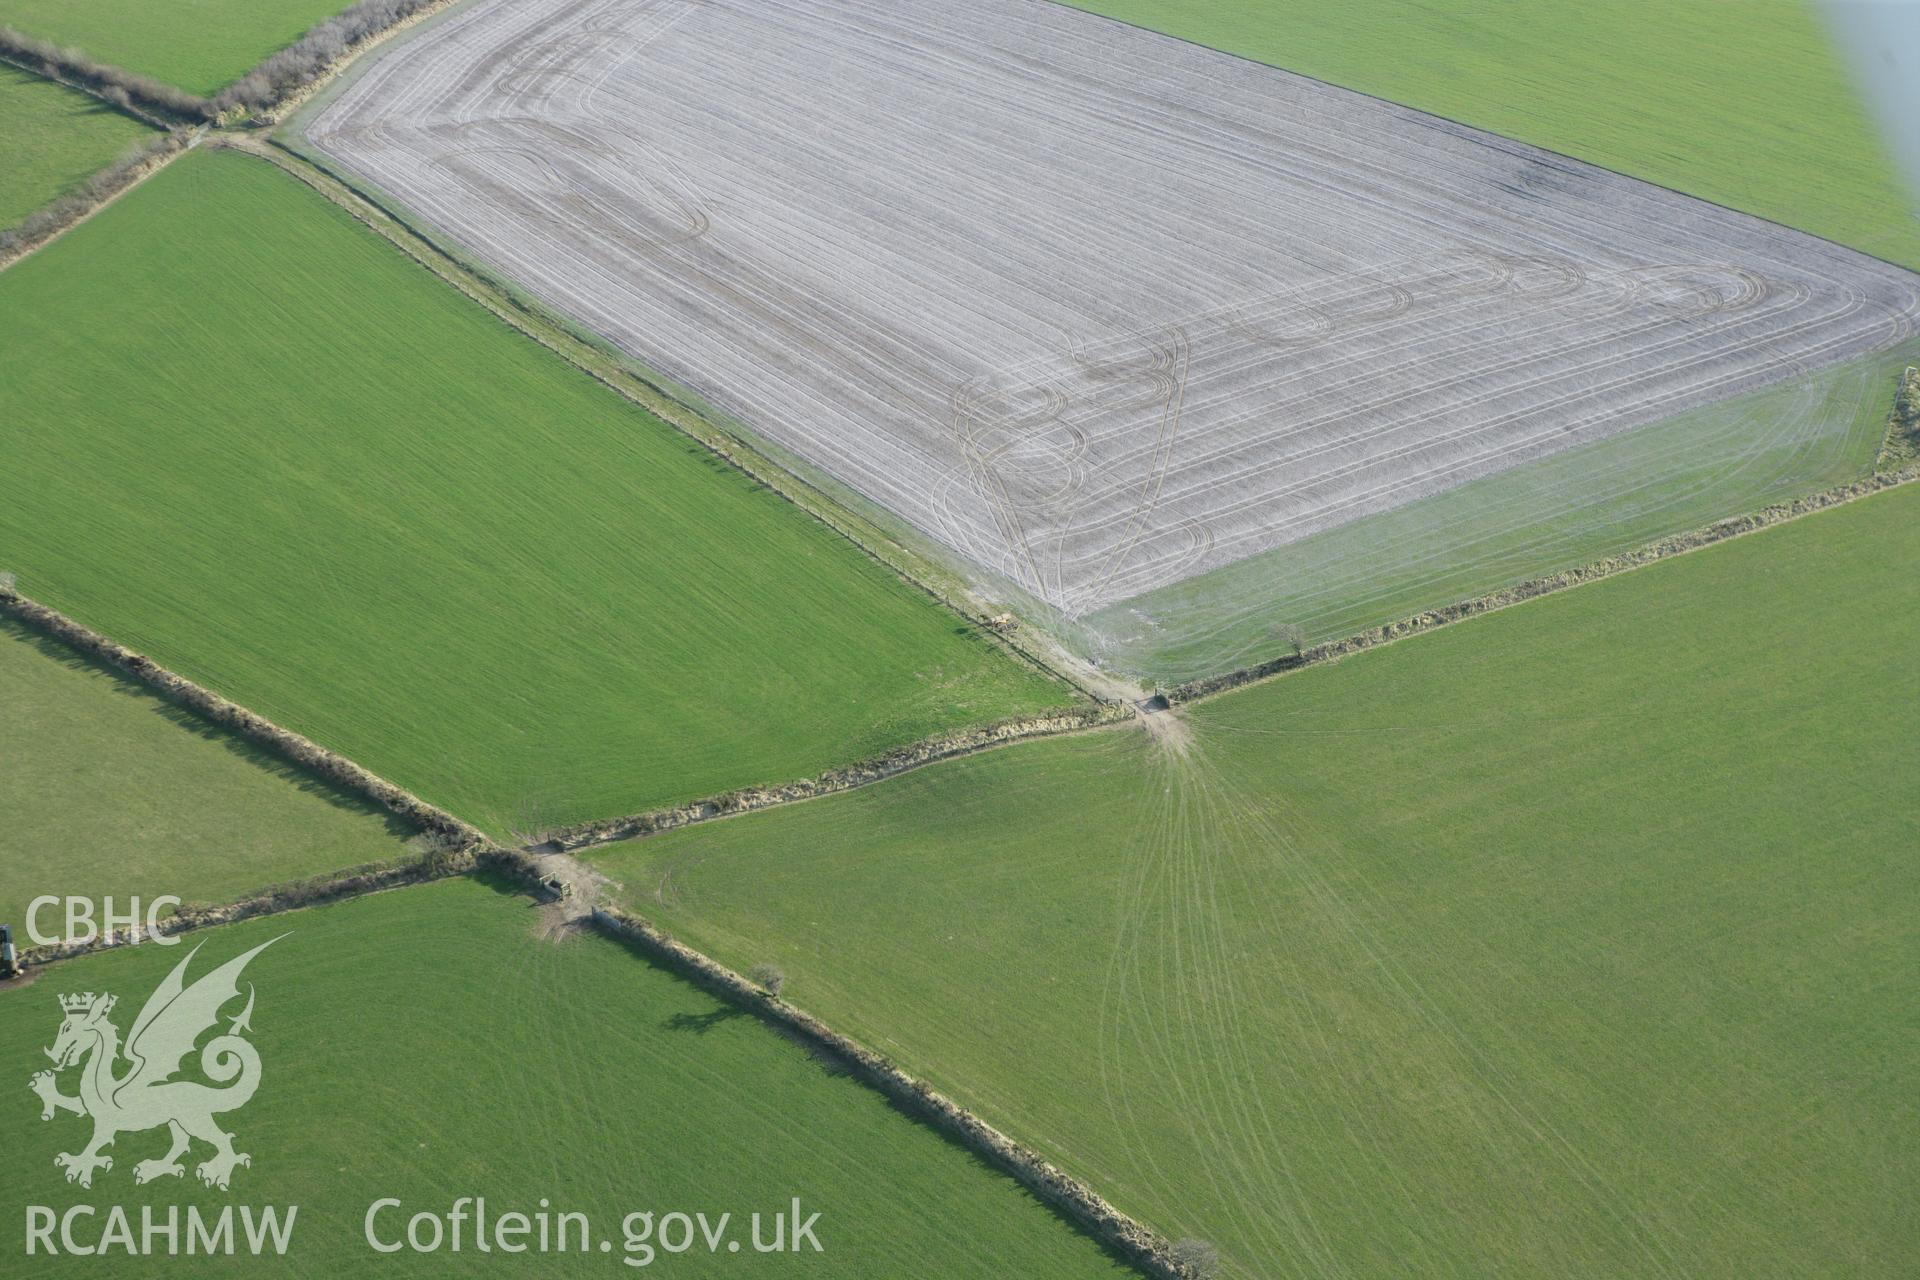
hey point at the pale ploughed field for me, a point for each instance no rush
(1096, 308)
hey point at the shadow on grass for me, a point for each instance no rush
(504, 885)
(91, 108)
(701, 1023)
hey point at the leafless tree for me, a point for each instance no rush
(1291, 637)
(1197, 1258)
(286, 72)
(768, 978)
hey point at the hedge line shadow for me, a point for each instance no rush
(254, 755)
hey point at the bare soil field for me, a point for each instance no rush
(1095, 308)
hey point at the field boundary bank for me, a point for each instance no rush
(1900, 450)
(1550, 584)
(166, 122)
(113, 85)
(312, 60)
(1479, 129)
(861, 773)
(299, 750)
(1132, 1240)
(618, 372)
(266, 92)
(63, 213)
(457, 834)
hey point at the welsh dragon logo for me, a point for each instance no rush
(146, 1095)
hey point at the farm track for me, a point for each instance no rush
(1095, 308)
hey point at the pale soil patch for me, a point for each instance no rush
(1170, 730)
(586, 891)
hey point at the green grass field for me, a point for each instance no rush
(426, 1045)
(201, 46)
(108, 789)
(54, 139)
(1748, 105)
(253, 440)
(1574, 940)
(1573, 508)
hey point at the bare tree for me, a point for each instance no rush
(1291, 637)
(285, 73)
(1197, 1258)
(768, 978)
